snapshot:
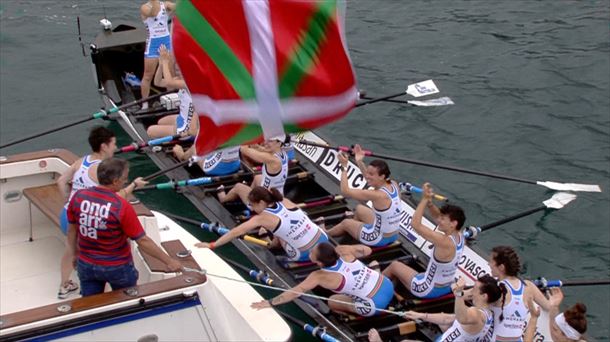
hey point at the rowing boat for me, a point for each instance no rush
(163, 306)
(125, 44)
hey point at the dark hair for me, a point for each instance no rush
(382, 168)
(494, 291)
(99, 135)
(259, 193)
(455, 213)
(110, 170)
(327, 254)
(506, 255)
(576, 317)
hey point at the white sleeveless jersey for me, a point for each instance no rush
(439, 274)
(157, 26)
(515, 313)
(225, 155)
(358, 279)
(186, 111)
(388, 221)
(457, 333)
(81, 179)
(295, 228)
(278, 180)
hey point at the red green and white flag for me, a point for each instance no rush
(260, 68)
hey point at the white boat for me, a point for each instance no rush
(163, 306)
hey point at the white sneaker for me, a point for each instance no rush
(66, 289)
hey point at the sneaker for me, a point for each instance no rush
(66, 289)
(131, 79)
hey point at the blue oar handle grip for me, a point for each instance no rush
(319, 333)
(472, 232)
(214, 228)
(199, 181)
(160, 141)
(544, 283)
(409, 188)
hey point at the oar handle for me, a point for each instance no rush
(215, 228)
(319, 332)
(408, 187)
(546, 283)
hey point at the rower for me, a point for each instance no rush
(360, 289)
(377, 226)
(567, 326)
(82, 174)
(448, 247)
(183, 122)
(511, 316)
(468, 323)
(291, 228)
(274, 171)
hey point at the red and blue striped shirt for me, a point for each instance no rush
(104, 220)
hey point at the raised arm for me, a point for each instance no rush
(463, 313)
(419, 227)
(169, 80)
(146, 11)
(357, 194)
(359, 156)
(312, 280)
(537, 295)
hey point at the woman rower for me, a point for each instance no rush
(511, 317)
(467, 324)
(290, 226)
(565, 327)
(360, 289)
(448, 242)
(379, 225)
(273, 174)
(155, 16)
(168, 76)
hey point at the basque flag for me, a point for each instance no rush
(260, 68)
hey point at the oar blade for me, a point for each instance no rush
(559, 200)
(571, 186)
(422, 89)
(441, 101)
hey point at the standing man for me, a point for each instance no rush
(100, 221)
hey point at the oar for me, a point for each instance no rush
(190, 182)
(557, 201)
(544, 283)
(319, 332)
(409, 188)
(98, 115)
(441, 101)
(137, 146)
(214, 228)
(416, 90)
(295, 177)
(161, 172)
(547, 184)
(315, 202)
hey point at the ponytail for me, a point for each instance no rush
(504, 292)
(260, 193)
(494, 290)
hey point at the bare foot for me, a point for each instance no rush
(220, 191)
(178, 152)
(374, 336)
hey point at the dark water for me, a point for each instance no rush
(530, 79)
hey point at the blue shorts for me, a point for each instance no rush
(290, 154)
(304, 255)
(222, 169)
(63, 220)
(367, 230)
(428, 292)
(381, 299)
(153, 45)
(93, 278)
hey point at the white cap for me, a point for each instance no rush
(280, 137)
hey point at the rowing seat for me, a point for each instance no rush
(48, 199)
